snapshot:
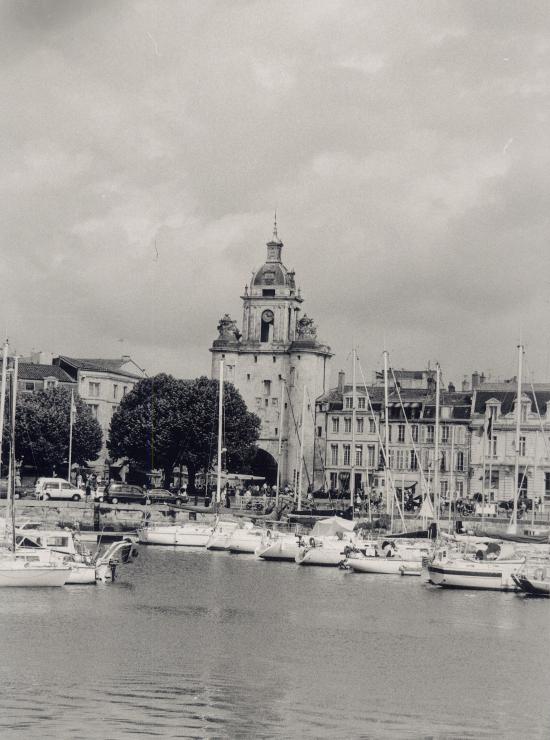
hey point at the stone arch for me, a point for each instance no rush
(265, 465)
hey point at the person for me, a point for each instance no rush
(88, 488)
(227, 497)
(79, 480)
(247, 496)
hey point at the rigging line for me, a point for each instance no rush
(538, 411)
(296, 429)
(386, 462)
(323, 466)
(408, 426)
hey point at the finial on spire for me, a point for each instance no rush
(275, 235)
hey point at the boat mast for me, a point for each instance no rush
(437, 496)
(12, 446)
(533, 497)
(220, 433)
(353, 417)
(280, 449)
(514, 520)
(302, 450)
(71, 414)
(451, 496)
(386, 430)
(3, 395)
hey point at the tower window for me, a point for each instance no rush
(248, 376)
(266, 334)
(267, 387)
(268, 292)
(274, 358)
(255, 358)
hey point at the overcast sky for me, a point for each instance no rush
(145, 145)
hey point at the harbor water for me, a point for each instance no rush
(198, 644)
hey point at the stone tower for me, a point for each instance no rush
(277, 348)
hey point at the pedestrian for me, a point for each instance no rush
(79, 480)
(227, 498)
(88, 488)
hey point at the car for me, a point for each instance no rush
(56, 488)
(124, 493)
(162, 496)
(19, 492)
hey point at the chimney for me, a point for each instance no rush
(475, 380)
(125, 358)
(452, 388)
(465, 384)
(341, 381)
(482, 378)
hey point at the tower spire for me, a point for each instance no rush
(275, 235)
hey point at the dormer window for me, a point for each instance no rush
(268, 292)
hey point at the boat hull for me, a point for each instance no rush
(533, 586)
(485, 576)
(327, 556)
(30, 576)
(82, 575)
(280, 550)
(388, 566)
(180, 536)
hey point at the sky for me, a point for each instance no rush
(144, 147)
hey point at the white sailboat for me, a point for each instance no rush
(16, 571)
(188, 534)
(328, 543)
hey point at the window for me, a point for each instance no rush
(266, 402)
(274, 358)
(370, 456)
(413, 460)
(274, 401)
(460, 462)
(524, 407)
(335, 423)
(445, 433)
(361, 402)
(124, 390)
(459, 435)
(248, 376)
(459, 487)
(547, 484)
(443, 462)
(258, 401)
(359, 455)
(347, 424)
(115, 390)
(267, 387)
(522, 446)
(360, 424)
(29, 386)
(401, 433)
(493, 446)
(400, 459)
(349, 402)
(334, 481)
(430, 434)
(94, 407)
(347, 454)
(93, 390)
(276, 431)
(319, 431)
(444, 486)
(372, 425)
(268, 292)
(334, 454)
(391, 458)
(389, 432)
(414, 432)
(53, 383)
(256, 358)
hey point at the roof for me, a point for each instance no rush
(507, 398)
(102, 365)
(32, 371)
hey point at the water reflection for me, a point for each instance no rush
(196, 644)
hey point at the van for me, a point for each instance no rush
(56, 488)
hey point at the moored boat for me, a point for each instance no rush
(190, 534)
(245, 538)
(452, 569)
(533, 579)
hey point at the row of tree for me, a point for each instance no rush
(162, 423)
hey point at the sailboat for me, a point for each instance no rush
(17, 571)
(189, 534)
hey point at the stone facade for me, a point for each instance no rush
(273, 357)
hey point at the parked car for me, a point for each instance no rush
(56, 488)
(19, 492)
(162, 496)
(124, 493)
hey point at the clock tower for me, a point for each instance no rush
(271, 360)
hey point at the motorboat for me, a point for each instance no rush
(533, 578)
(245, 538)
(391, 557)
(276, 545)
(491, 567)
(327, 543)
(219, 539)
(189, 534)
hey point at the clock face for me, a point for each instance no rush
(267, 316)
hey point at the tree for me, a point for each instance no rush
(165, 422)
(42, 430)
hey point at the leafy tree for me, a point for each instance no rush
(42, 430)
(165, 422)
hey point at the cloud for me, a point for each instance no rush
(145, 146)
